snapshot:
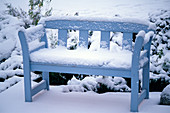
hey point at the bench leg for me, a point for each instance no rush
(27, 85)
(134, 92)
(145, 80)
(45, 76)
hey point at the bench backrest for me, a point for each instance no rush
(84, 26)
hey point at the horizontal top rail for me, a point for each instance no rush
(95, 24)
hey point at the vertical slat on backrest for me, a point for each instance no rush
(44, 39)
(105, 39)
(62, 37)
(127, 41)
(83, 38)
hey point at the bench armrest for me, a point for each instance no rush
(29, 47)
(143, 40)
(36, 45)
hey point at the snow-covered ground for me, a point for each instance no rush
(54, 101)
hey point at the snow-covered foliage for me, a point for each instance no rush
(160, 55)
(165, 96)
(9, 82)
(35, 11)
(97, 84)
(10, 55)
(10, 52)
(11, 19)
(19, 13)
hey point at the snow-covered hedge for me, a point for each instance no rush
(160, 55)
(10, 52)
(98, 84)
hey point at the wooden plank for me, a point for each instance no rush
(135, 74)
(45, 76)
(62, 37)
(44, 39)
(95, 25)
(143, 54)
(146, 69)
(143, 65)
(26, 65)
(127, 41)
(105, 39)
(38, 48)
(83, 38)
(40, 86)
(121, 72)
(142, 96)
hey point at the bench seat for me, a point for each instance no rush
(84, 57)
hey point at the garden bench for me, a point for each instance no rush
(124, 63)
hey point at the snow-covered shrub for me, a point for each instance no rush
(165, 96)
(52, 37)
(10, 46)
(19, 13)
(10, 21)
(35, 11)
(109, 84)
(10, 52)
(34, 14)
(160, 55)
(97, 84)
(9, 82)
(73, 39)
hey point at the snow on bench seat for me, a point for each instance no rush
(82, 56)
(100, 58)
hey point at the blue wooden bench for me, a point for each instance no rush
(140, 50)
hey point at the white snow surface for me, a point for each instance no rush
(94, 18)
(91, 83)
(166, 92)
(82, 56)
(12, 101)
(7, 47)
(141, 34)
(101, 8)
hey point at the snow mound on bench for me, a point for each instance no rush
(82, 56)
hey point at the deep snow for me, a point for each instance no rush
(54, 101)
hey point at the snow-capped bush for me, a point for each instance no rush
(35, 11)
(10, 22)
(19, 13)
(97, 84)
(10, 46)
(160, 55)
(10, 52)
(9, 82)
(165, 96)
